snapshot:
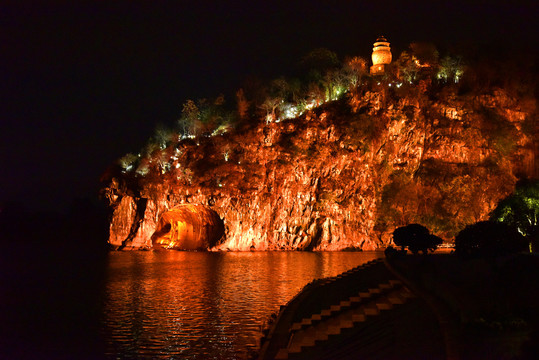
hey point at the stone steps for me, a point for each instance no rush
(312, 333)
(344, 305)
(312, 323)
(369, 275)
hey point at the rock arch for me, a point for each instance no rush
(188, 227)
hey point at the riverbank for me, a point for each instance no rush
(365, 312)
(463, 309)
(491, 303)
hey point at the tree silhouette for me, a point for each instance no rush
(489, 238)
(242, 105)
(416, 237)
(424, 243)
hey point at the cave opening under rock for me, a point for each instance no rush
(188, 227)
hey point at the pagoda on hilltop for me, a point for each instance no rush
(381, 56)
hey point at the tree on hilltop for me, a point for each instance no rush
(318, 62)
(242, 105)
(189, 120)
(425, 53)
(406, 67)
(451, 69)
(357, 69)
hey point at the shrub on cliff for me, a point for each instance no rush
(416, 237)
(488, 238)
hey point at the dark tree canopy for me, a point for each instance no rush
(521, 210)
(318, 62)
(489, 238)
(424, 243)
(416, 237)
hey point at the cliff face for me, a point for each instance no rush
(343, 175)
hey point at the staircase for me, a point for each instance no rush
(334, 308)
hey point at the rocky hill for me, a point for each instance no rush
(342, 175)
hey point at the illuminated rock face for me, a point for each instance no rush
(342, 175)
(188, 227)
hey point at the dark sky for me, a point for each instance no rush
(82, 84)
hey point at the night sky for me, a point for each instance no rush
(83, 84)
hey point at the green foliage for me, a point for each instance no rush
(163, 136)
(499, 132)
(270, 105)
(356, 69)
(318, 62)
(425, 53)
(452, 196)
(366, 128)
(127, 162)
(188, 121)
(488, 238)
(405, 200)
(280, 88)
(407, 69)
(204, 117)
(517, 75)
(451, 69)
(390, 210)
(521, 210)
(432, 196)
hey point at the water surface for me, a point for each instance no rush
(197, 305)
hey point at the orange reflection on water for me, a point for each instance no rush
(201, 305)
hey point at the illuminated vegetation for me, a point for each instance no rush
(521, 210)
(440, 143)
(325, 78)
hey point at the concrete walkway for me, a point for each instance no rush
(368, 312)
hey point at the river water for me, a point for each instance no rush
(197, 305)
(72, 302)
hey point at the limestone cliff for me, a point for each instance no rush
(342, 175)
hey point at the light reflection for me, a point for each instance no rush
(201, 305)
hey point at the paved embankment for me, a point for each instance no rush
(365, 313)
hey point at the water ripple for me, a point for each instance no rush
(192, 305)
